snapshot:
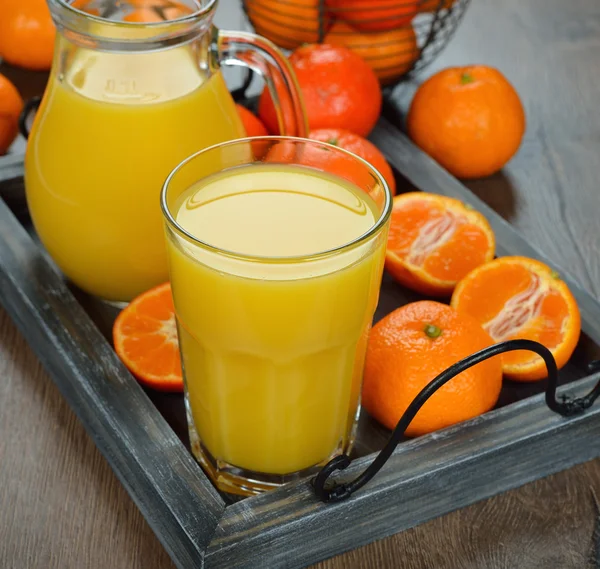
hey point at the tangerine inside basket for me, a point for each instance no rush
(396, 37)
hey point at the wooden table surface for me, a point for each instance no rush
(61, 506)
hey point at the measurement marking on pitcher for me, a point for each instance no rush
(126, 90)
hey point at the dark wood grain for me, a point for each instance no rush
(61, 505)
(545, 525)
(550, 49)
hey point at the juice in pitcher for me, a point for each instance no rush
(275, 270)
(96, 163)
(125, 103)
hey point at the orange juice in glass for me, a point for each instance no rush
(125, 103)
(275, 268)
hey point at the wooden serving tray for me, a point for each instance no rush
(143, 434)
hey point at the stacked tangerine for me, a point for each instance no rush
(380, 31)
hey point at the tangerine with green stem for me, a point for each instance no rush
(469, 119)
(411, 346)
(359, 146)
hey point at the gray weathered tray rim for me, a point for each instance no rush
(286, 527)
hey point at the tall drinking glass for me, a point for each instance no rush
(276, 248)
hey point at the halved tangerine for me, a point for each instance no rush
(435, 241)
(145, 339)
(517, 297)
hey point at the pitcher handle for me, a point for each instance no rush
(261, 55)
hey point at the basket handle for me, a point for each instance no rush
(566, 407)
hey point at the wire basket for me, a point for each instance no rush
(396, 37)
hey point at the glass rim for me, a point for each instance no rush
(198, 14)
(290, 259)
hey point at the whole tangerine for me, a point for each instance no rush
(359, 146)
(27, 34)
(320, 157)
(11, 105)
(339, 88)
(390, 53)
(469, 119)
(287, 23)
(373, 15)
(410, 347)
(146, 11)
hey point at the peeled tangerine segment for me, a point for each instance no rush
(521, 298)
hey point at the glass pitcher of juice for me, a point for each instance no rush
(135, 87)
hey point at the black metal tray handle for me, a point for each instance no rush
(566, 406)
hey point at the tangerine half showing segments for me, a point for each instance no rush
(145, 339)
(410, 347)
(435, 241)
(517, 297)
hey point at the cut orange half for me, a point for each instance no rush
(145, 339)
(435, 241)
(517, 297)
